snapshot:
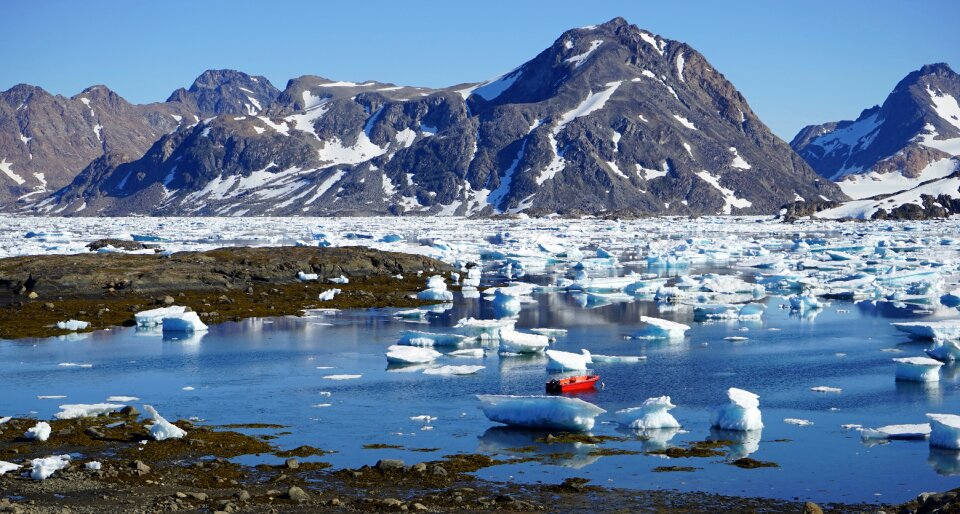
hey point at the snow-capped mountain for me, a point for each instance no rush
(899, 148)
(46, 140)
(608, 119)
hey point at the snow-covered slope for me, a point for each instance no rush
(608, 119)
(902, 145)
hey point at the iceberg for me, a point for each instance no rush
(161, 429)
(39, 432)
(804, 302)
(476, 353)
(946, 329)
(652, 414)
(73, 325)
(418, 338)
(512, 341)
(951, 299)
(657, 328)
(453, 370)
(944, 350)
(399, 354)
(473, 277)
(154, 317)
(545, 412)
(741, 413)
(918, 369)
(505, 304)
(483, 328)
(567, 361)
(42, 469)
(81, 410)
(186, 322)
(945, 431)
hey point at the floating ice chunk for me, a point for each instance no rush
(341, 377)
(81, 410)
(951, 299)
(617, 359)
(154, 317)
(39, 432)
(339, 280)
(122, 399)
(512, 341)
(505, 304)
(436, 290)
(946, 329)
(918, 369)
(42, 469)
(74, 365)
(657, 328)
(894, 432)
(418, 338)
(804, 303)
(186, 322)
(7, 466)
(306, 276)
(161, 429)
(944, 350)
(328, 295)
(742, 413)
(484, 328)
(473, 277)
(73, 325)
(93, 466)
(651, 414)
(411, 314)
(426, 418)
(550, 332)
(400, 354)
(5, 419)
(567, 361)
(546, 412)
(798, 422)
(467, 352)
(453, 370)
(945, 431)
(826, 389)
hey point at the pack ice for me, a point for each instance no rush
(545, 412)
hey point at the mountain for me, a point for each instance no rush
(906, 143)
(46, 140)
(608, 119)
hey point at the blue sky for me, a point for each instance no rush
(796, 62)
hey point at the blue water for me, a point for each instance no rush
(269, 371)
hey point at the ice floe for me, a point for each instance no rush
(546, 412)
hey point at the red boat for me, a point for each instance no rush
(572, 384)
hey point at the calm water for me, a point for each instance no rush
(271, 371)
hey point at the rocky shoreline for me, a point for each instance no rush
(225, 284)
(195, 474)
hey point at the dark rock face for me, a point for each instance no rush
(217, 92)
(903, 136)
(608, 119)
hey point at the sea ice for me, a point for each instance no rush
(825, 389)
(908, 432)
(918, 369)
(545, 412)
(657, 328)
(401, 354)
(186, 322)
(652, 414)
(162, 429)
(42, 469)
(453, 370)
(39, 432)
(154, 317)
(945, 431)
(567, 361)
(741, 413)
(80, 410)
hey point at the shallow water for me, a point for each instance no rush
(271, 371)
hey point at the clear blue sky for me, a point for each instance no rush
(797, 62)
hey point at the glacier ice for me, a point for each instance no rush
(154, 317)
(161, 429)
(186, 322)
(418, 338)
(653, 413)
(918, 369)
(945, 350)
(946, 329)
(567, 361)
(656, 328)
(512, 341)
(453, 370)
(546, 412)
(945, 431)
(742, 412)
(401, 354)
(436, 290)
